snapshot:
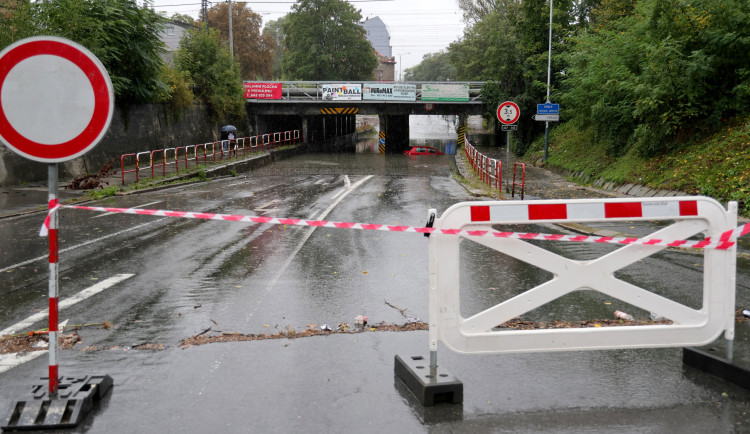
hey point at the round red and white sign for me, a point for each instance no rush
(508, 112)
(56, 99)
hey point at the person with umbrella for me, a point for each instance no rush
(227, 137)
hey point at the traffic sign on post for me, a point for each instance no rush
(547, 118)
(56, 99)
(547, 109)
(508, 112)
(56, 103)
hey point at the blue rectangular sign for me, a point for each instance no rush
(548, 109)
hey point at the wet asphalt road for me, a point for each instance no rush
(192, 275)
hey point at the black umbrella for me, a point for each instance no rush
(227, 128)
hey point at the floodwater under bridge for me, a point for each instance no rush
(325, 111)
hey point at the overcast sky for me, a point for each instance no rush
(417, 27)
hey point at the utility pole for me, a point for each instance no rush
(231, 38)
(204, 13)
(549, 73)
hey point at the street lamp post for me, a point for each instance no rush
(231, 38)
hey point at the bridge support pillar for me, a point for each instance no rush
(461, 133)
(396, 129)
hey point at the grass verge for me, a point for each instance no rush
(717, 166)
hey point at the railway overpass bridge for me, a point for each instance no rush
(326, 110)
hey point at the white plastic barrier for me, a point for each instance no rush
(691, 215)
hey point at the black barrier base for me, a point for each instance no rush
(716, 366)
(75, 399)
(429, 388)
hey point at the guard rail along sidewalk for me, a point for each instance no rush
(479, 333)
(160, 159)
(522, 185)
(489, 170)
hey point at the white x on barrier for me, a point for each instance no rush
(478, 333)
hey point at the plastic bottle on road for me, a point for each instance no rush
(622, 315)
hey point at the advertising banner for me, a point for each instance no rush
(341, 92)
(390, 92)
(445, 92)
(262, 90)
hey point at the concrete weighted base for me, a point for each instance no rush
(74, 400)
(716, 366)
(428, 387)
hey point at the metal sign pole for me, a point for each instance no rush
(507, 152)
(53, 279)
(56, 62)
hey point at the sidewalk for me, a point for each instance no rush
(33, 197)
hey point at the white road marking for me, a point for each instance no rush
(138, 206)
(351, 187)
(264, 209)
(70, 301)
(347, 187)
(11, 360)
(39, 258)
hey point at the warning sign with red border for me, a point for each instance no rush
(508, 112)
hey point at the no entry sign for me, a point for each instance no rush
(56, 99)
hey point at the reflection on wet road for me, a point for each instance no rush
(200, 276)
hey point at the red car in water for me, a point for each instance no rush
(422, 150)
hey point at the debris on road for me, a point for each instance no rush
(404, 312)
(360, 321)
(89, 182)
(140, 347)
(291, 333)
(623, 315)
(35, 342)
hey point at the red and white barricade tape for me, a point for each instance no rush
(725, 241)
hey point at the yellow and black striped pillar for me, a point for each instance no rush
(340, 111)
(461, 134)
(381, 144)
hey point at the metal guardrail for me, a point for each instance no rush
(522, 184)
(201, 153)
(490, 170)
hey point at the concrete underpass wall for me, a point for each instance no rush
(141, 128)
(262, 124)
(344, 143)
(330, 133)
(396, 129)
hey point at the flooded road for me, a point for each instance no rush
(217, 277)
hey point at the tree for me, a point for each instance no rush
(124, 36)
(507, 45)
(660, 73)
(253, 50)
(182, 18)
(325, 42)
(476, 10)
(433, 67)
(15, 21)
(275, 29)
(216, 75)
